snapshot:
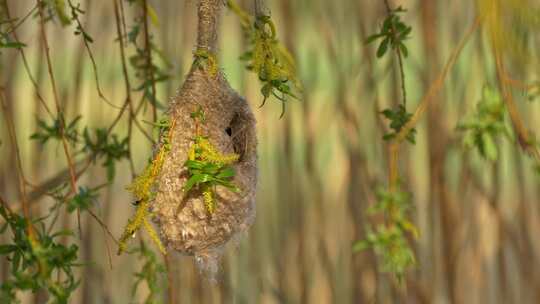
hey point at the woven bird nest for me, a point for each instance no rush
(184, 221)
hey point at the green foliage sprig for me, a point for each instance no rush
(100, 144)
(84, 199)
(485, 125)
(389, 240)
(398, 118)
(392, 34)
(37, 260)
(54, 131)
(107, 146)
(267, 57)
(207, 167)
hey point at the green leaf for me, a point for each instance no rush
(403, 49)
(361, 246)
(374, 37)
(226, 173)
(195, 180)
(383, 47)
(489, 147)
(7, 249)
(60, 9)
(12, 45)
(195, 164)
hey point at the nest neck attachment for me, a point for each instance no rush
(209, 12)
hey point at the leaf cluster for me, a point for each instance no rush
(208, 168)
(392, 34)
(398, 118)
(389, 240)
(98, 142)
(46, 132)
(37, 260)
(485, 125)
(106, 146)
(267, 57)
(83, 200)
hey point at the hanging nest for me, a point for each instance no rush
(185, 221)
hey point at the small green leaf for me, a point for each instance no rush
(226, 173)
(374, 37)
(12, 45)
(195, 180)
(361, 246)
(7, 249)
(403, 49)
(383, 47)
(490, 149)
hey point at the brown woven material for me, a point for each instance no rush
(185, 224)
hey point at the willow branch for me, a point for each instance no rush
(149, 64)
(25, 62)
(399, 57)
(433, 90)
(20, 176)
(91, 56)
(524, 137)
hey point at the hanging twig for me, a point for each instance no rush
(26, 66)
(20, 174)
(433, 90)
(149, 64)
(400, 58)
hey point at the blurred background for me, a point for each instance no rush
(319, 165)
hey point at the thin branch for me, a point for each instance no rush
(399, 56)
(20, 173)
(103, 225)
(149, 64)
(26, 65)
(20, 22)
(129, 102)
(91, 56)
(433, 90)
(73, 176)
(523, 135)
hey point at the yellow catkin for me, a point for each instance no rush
(209, 202)
(141, 187)
(208, 59)
(209, 153)
(133, 225)
(153, 235)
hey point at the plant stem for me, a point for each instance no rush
(209, 14)
(399, 56)
(523, 135)
(59, 111)
(433, 90)
(149, 65)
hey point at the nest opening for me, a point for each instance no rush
(237, 130)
